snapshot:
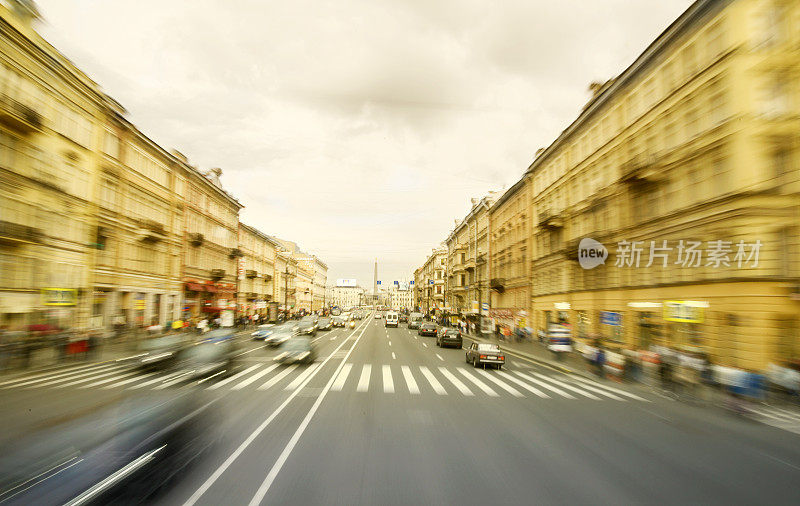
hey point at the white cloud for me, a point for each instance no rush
(355, 128)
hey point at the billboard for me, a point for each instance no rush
(351, 283)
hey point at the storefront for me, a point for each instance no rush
(684, 323)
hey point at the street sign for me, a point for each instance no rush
(485, 306)
(610, 318)
(59, 296)
(430, 281)
(379, 281)
(411, 282)
(396, 282)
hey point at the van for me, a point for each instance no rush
(559, 339)
(391, 320)
(415, 320)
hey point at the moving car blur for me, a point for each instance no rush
(297, 350)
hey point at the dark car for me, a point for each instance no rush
(119, 452)
(308, 325)
(282, 333)
(297, 350)
(403, 318)
(216, 354)
(485, 353)
(449, 337)
(161, 352)
(324, 323)
(427, 329)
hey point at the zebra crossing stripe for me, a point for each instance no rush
(410, 381)
(341, 378)
(363, 381)
(480, 384)
(508, 388)
(65, 376)
(255, 377)
(524, 385)
(129, 380)
(109, 380)
(607, 387)
(162, 377)
(546, 385)
(89, 377)
(301, 377)
(388, 383)
(602, 392)
(564, 385)
(278, 377)
(49, 374)
(455, 381)
(437, 387)
(785, 413)
(233, 378)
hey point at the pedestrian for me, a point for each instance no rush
(601, 362)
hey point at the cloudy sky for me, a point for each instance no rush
(356, 128)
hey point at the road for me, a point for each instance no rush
(386, 417)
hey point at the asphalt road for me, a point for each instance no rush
(386, 417)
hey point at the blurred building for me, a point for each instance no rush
(256, 275)
(347, 296)
(467, 254)
(399, 297)
(510, 254)
(285, 274)
(430, 281)
(311, 275)
(695, 144)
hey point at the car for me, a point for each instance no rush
(391, 320)
(308, 325)
(427, 329)
(161, 352)
(449, 337)
(262, 331)
(217, 353)
(485, 353)
(339, 321)
(297, 350)
(415, 320)
(325, 323)
(378, 316)
(403, 318)
(281, 333)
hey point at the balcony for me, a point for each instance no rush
(196, 239)
(16, 233)
(571, 249)
(548, 219)
(250, 274)
(469, 264)
(235, 253)
(217, 274)
(18, 116)
(151, 231)
(498, 284)
(639, 169)
(267, 278)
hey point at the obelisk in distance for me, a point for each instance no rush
(375, 285)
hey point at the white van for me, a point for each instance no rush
(391, 320)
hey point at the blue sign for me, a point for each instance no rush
(430, 281)
(610, 318)
(396, 282)
(379, 281)
(410, 282)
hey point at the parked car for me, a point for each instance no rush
(281, 333)
(427, 329)
(485, 353)
(449, 337)
(325, 323)
(308, 325)
(297, 350)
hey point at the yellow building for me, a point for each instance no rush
(256, 290)
(685, 167)
(510, 250)
(430, 281)
(285, 274)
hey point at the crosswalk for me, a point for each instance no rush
(389, 379)
(777, 417)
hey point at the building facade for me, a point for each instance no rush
(347, 296)
(256, 274)
(431, 281)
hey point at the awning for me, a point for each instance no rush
(194, 287)
(210, 288)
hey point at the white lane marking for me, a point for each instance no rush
(51, 374)
(162, 377)
(410, 381)
(388, 383)
(89, 377)
(363, 381)
(505, 386)
(561, 384)
(548, 386)
(606, 387)
(113, 378)
(394, 356)
(783, 412)
(439, 357)
(255, 377)
(425, 345)
(275, 379)
(437, 387)
(249, 351)
(601, 391)
(129, 380)
(390, 343)
(276, 468)
(415, 337)
(66, 376)
(480, 384)
(340, 380)
(233, 378)
(334, 338)
(455, 381)
(301, 377)
(523, 385)
(253, 435)
(177, 379)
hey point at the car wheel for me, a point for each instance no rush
(467, 357)
(475, 363)
(499, 366)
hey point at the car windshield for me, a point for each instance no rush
(297, 344)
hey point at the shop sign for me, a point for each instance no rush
(138, 303)
(610, 318)
(684, 311)
(59, 296)
(474, 306)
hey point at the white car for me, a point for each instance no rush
(392, 319)
(377, 316)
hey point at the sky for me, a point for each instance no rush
(359, 129)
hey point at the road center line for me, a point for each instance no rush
(439, 357)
